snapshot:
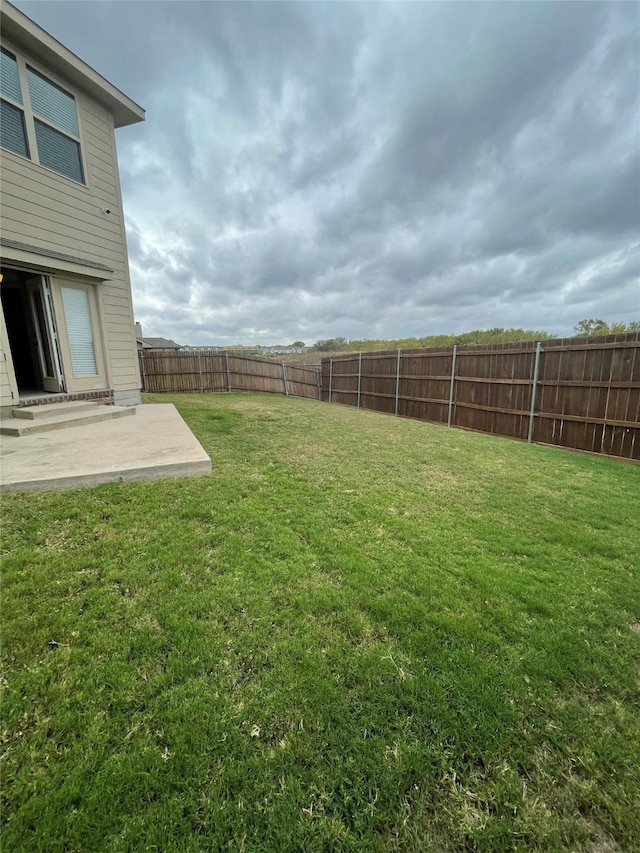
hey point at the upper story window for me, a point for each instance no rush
(13, 132)
(39, 120)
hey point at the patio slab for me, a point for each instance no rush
(153, 444)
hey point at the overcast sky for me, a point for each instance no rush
(309, 170)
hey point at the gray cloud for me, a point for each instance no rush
(311, 170)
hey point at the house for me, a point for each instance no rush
(66, 325)
(153, 343)
(282, 349)
(157, 343)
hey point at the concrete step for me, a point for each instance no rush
(18, 427)
(48, 410)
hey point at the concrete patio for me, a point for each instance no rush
(153, 444)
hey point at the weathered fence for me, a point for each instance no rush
(206, 371)
(582, 393)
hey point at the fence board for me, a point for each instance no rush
(587, 389)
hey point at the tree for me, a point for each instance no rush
(299, 344)
(590, 327)
(330, 345)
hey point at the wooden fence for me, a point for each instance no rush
(582, 393)
(206, 371)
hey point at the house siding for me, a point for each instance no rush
(8, 387)
(47, 210)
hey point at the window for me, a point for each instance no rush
(56, 111)
(79, 331)
(13, 132)
(43, 126)
(9, 76)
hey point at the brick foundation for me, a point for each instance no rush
(104, 397)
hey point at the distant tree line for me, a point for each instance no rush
(589, 328)
(498, 335)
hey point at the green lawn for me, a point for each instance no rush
(357, 634)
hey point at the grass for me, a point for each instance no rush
(357, 634)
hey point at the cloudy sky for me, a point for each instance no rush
(309, 170)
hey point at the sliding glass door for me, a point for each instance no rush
(46, 338)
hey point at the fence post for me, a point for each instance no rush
(453, 379)
(359, 376)
(226, 361)
(200, 372)
(330, 377)
(534, 388)
(320, 384)
(143, 371)
(284, 379)
(398, 381)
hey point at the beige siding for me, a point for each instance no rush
(47, 210)
(8, 387)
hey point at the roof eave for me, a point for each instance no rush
(26, 33)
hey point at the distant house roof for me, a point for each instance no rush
(157, 343)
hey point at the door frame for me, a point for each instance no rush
(74, 384)
(46, 335)
(55, 280)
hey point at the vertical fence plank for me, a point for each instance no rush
(398, 381)
(453, 382)
(226, 363)
(534, 388)
(284, 380)
(330, 376)
(143, 371)
(200, 372)
(359, 376)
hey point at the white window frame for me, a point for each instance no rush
(77, 384)
(30, 117)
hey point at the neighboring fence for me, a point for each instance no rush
(200, 370)
(582, 393)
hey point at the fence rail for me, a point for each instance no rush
(197, 370)
(581, 393)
